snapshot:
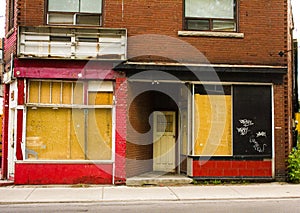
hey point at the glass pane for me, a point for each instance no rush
(91, 6)
(88, 19)
(220, 25)
(164, 123)
(59, 18)
(63, 5)
(209, 8)
(198, 24)
(99, 144)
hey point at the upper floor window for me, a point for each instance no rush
(75, 12)
(210, 15)
(11, 14)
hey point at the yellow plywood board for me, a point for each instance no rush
(77, 135)
(56, 93)
(47, 133)
(34, 92)
(67, 93)
(99, 145)
(45, 92)
(55, 134)
(78, 93)
(100, 98)
(213, 133)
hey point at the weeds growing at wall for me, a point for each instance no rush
(294, 165)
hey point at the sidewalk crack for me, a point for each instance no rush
(30, 194)
(174, 193)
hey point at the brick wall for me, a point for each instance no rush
(262, 22)
(139, 139)
(280, 131)
(121, 131)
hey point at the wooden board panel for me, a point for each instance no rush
(45, 92)
(56, 93)
(100, 98)
(67, 93)
(34, 92)
(47, 134)
(99, 143)
(213, 125)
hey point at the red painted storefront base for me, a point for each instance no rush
(232, 169)
(33, 173)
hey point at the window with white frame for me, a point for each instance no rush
(75, 12)
(69, 120)
(210, 15)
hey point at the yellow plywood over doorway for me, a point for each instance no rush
(213, 133)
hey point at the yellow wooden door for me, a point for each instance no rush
(164, 141)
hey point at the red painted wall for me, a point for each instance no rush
(53, 173)
(5, 132)
(121, 117)
(61, 69)
(218, 168)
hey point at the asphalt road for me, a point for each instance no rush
(210, 206)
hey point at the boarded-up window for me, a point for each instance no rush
(58, 93)
(252, 114)
(50, 134)
(212, 121)
(59, 125)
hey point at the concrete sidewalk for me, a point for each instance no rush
(69, 194)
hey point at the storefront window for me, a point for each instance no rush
(59, 126)
(212, 120)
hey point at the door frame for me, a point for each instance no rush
(173, 134)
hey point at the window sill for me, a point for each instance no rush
(211, 34)
(64, 161)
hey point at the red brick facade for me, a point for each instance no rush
(153, 28)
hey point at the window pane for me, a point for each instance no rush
(220, 25)
(59, 18)
(197, 24)
(209, 8)
(88, 19)
(63, 5)
(91, 6)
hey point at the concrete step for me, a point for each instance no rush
(158, 179)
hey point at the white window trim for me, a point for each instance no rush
(106, 87)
